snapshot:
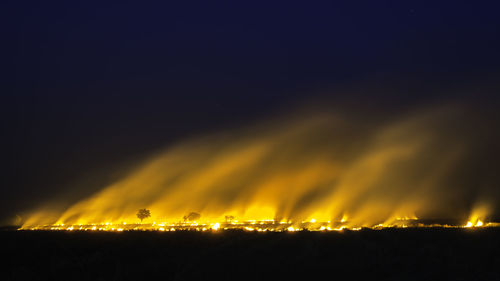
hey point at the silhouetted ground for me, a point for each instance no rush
(391, 254)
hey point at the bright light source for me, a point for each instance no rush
(216, 226)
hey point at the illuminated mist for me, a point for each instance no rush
(329, 165)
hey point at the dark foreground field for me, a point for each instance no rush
(392, 254)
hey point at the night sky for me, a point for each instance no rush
(89, 88)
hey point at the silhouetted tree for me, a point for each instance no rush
(143, 214)
(192, 216)
(229, 219)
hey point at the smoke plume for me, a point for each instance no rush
(326, 165)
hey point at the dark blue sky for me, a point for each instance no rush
(89, 86)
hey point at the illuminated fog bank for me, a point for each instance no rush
(364, 169)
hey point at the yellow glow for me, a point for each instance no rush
(215, 226)
(476, 219)
(263, 226)
(344, 218)
(282, 173)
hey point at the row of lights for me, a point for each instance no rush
(216, 226)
